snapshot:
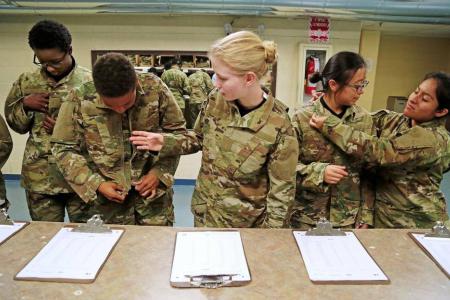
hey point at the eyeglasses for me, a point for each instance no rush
(360, 86)
(54, 64)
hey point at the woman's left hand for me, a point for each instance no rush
(317, 121)
(144, 140)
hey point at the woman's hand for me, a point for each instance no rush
(147, 140)
(317, 121)
(334, 173)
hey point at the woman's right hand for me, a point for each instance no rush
(334, 173)
(144, 140)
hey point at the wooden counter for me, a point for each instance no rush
(139, 268)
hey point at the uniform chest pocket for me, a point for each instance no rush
(254, 158)
(103, 146)
(146, 117)
(244, 160)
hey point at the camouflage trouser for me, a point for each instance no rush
(157, 211)
(194, 110)
(135, 210)
(52, 208)
(299, 219)
(4, 203)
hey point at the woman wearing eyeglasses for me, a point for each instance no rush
(411, 151)
(328, 180)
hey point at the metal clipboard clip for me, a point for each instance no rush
(439, 231)
(324, 228)
(210, 281)
(4, 218)
(93, 225)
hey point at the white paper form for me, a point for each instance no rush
(438, 248)
(209, 253)
(71, 255)
(8, 230)
(337, 258)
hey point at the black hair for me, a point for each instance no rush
(442, 88)
(153, 70)
(340, 67)
(49, 34)
(168, 65)
(113, 75)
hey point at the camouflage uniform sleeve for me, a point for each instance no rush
(281, 169)
(172, 121)
(186, 86)
(311, 175)
(6, 145)
(187, 142)
(66, 147)
(416, 146)
(366, 214)
(19, 120)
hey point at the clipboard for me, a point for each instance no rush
(332, 256)
(433, 243)
(76, 254)
(9, 228)
(209, 259)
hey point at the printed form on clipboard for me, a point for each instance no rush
(209, 259)
(74, 254)
(334, 256)
(436, 245)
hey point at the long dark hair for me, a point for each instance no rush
(442, 88)
(340, 67)
(442, 92)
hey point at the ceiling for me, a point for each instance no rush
(423, 17)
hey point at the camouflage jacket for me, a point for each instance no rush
(247, 175)
(178, 84)
(39, 171)
(411, 161)
(201, 86)
(6, 145)
(344, 202)
(91, 143)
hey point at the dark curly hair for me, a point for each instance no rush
(113, 75)
(49, 34)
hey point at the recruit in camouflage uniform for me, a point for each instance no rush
(6, 145)
(411, 163)
(178, 83)
(40, 175)
(92, 146)
(344, 203)
(247, 175)
(201, 86)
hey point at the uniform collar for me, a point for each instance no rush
(63, 81)
(350, 113)
(255, 119)
(436, 122)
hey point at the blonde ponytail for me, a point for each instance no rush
(244, 51)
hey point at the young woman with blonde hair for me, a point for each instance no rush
(247, 175)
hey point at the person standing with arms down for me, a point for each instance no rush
(32, 107)
(411, 151)
(247, 175)
(93, 151)
(6, 145)
(178, 83)
(328, 180)
(201, 85)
